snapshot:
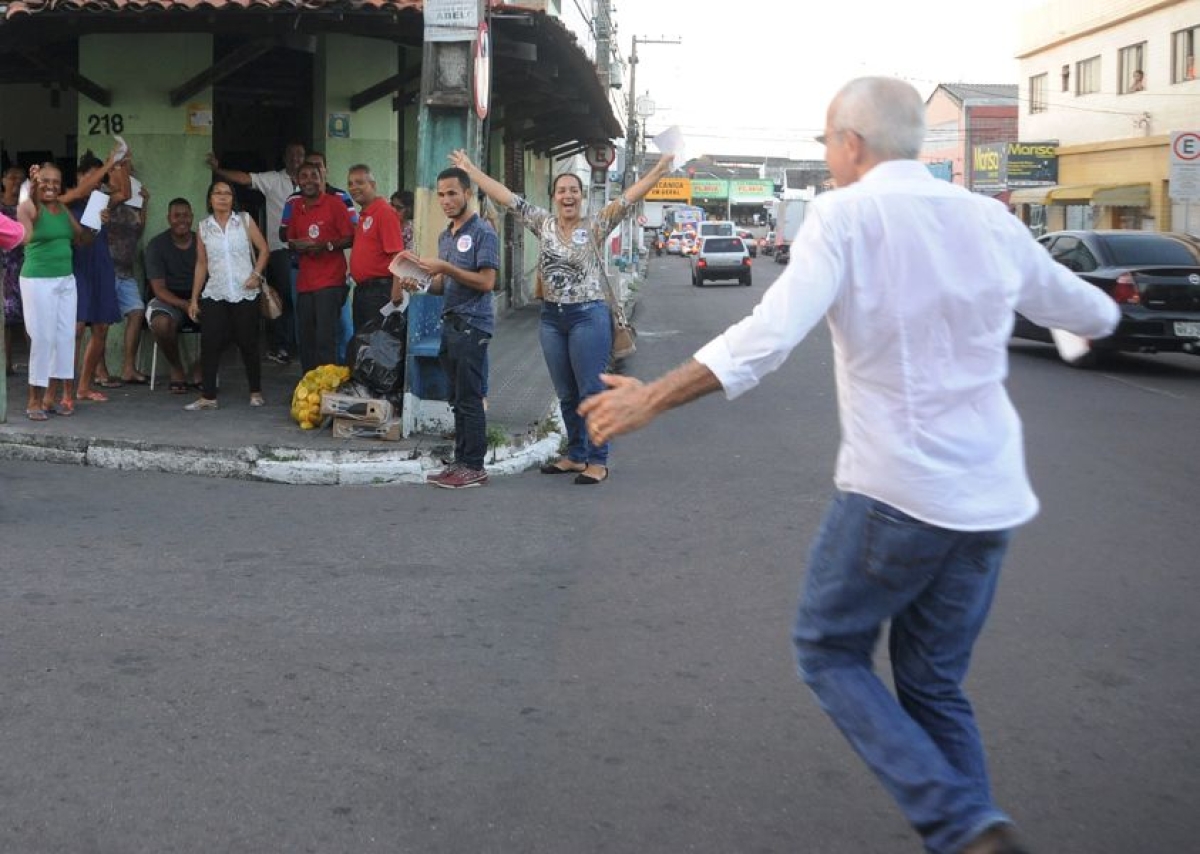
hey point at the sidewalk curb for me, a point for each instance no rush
(267, 464)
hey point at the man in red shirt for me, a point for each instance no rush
(319, 233)
(377, 239)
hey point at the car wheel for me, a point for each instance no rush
(746, 281)
(696, 280)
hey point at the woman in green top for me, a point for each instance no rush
(48, 293)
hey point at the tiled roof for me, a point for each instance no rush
(962, 91)
(30, 7)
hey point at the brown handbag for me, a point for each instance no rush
(269, 302)
(624, 336)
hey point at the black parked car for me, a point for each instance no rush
(1153, 276)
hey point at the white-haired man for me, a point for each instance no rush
(918, 280)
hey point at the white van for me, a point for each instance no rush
(716, 228)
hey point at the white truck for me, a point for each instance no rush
(789, 216)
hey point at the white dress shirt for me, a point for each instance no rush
(918, 280)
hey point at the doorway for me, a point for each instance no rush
(259, 109)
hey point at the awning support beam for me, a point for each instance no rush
(73, 79)
(393, 85)
(235, 61)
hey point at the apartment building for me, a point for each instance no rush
(1110, 80)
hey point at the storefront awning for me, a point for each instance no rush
(1030, 196)
(1103, 195)
(1107, 195)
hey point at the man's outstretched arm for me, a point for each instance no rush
(629, 404)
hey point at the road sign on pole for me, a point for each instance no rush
(1184, 181)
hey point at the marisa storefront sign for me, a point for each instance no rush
(1031, 164)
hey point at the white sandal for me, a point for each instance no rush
(201, 403)
(257, 400)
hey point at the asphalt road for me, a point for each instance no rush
(197, 665)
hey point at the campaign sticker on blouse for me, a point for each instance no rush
(368, 222)
(464, 243)
(314, 231)
(579, 236)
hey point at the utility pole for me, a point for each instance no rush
(631, 117)
(632, 122)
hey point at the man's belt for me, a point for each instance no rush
(376, 280)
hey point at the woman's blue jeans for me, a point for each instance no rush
(870, 564)
(577, 340)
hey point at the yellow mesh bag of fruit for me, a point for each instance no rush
(306, 399)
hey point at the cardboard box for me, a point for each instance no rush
(348, 428)
(371, 410)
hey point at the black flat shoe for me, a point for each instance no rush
(588, 480)
(553, 468)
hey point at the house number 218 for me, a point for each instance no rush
(107, 123)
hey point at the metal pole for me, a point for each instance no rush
(631, 117)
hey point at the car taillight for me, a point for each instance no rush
(1125, 291)
(746, 261)
(701, 262)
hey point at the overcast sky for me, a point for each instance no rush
(755, 76)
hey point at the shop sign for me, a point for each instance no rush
(943, 170)
(451, 20)
(671, 190)
(1031, 164)
(709, 189)
(987, 167)
(751, 191)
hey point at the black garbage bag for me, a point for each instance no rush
(378, 351)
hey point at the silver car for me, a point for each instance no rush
(721, 258)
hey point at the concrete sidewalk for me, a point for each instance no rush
(140, 429)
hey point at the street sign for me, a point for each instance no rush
(600, 155)
(1184, 184)
(483, 71)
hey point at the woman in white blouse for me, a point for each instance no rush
(230, 256)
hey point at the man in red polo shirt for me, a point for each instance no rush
(377, 239)
(319, 233)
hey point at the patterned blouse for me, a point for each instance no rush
(570, 268)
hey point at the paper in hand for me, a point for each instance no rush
(1070, 346)
(402, 268)
(97, 202)
(671, 141)
(135, 193)
(122, 149)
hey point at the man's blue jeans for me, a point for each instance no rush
(872, 563)
(577, 340)
(462, 356)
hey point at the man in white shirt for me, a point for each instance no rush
(276, 187)
(918, 280)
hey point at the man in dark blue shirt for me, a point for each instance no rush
(465, 272)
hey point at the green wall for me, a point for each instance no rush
(345, 66)
(140, 71)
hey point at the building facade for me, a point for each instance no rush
(961, 117)
(1110, 80)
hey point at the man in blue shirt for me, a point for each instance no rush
(465, 272)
